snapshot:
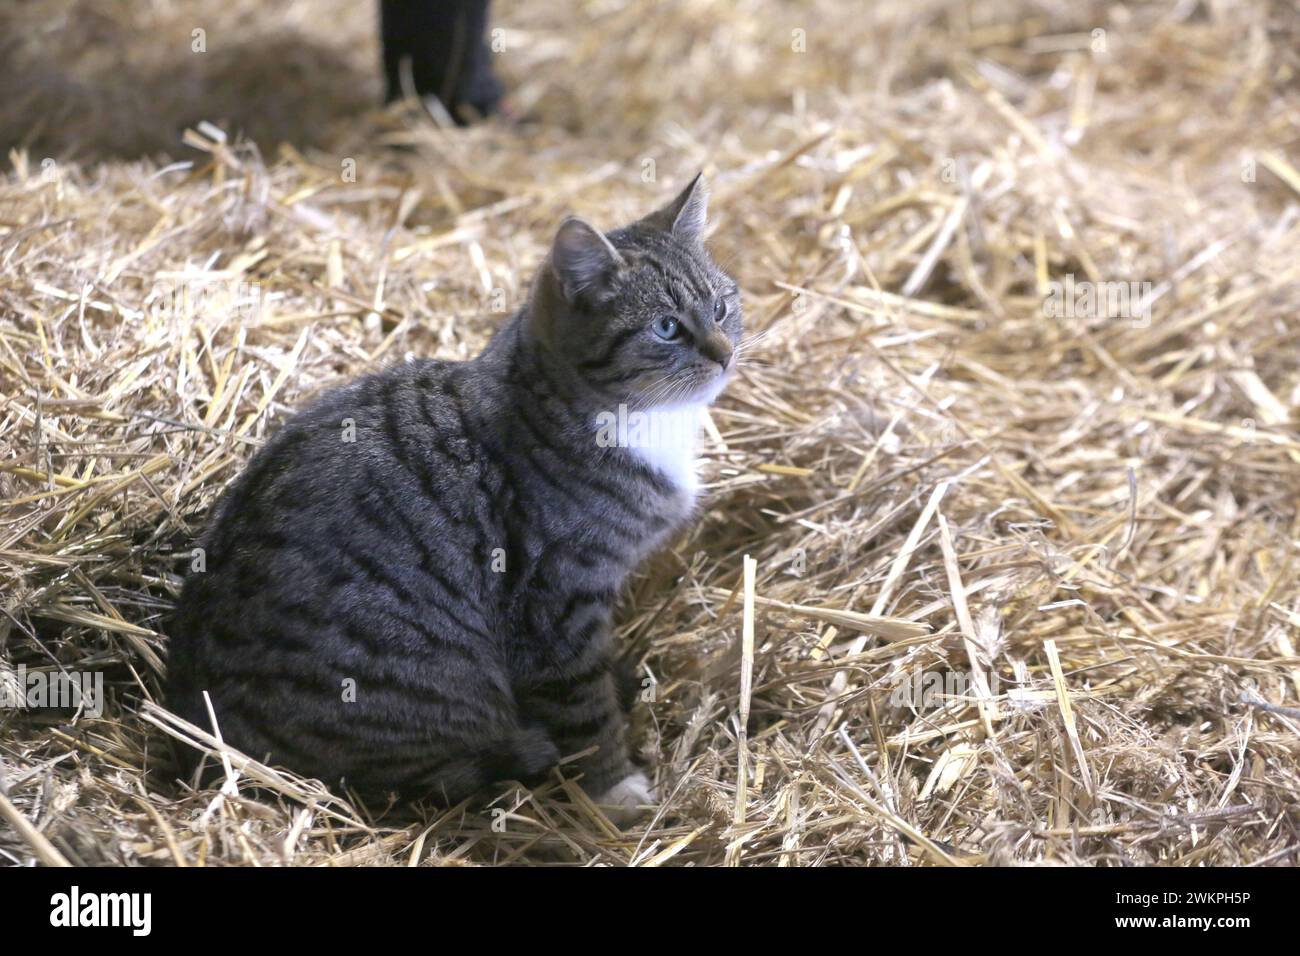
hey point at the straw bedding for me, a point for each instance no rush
(1024, 583)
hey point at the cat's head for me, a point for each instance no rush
(642, 314)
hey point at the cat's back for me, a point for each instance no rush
(363, 509)
(369, 439)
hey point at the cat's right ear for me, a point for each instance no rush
(687, 215)
(582, 259)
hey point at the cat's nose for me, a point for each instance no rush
(718, 349)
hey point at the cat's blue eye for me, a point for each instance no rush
(720, 310)
(666, 328)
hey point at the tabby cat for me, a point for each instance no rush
(409, 589)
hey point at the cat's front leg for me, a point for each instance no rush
(582, 710)
(628, 798)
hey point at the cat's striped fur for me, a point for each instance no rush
(459, 559)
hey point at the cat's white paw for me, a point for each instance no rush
(624, 800)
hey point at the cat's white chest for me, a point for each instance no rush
(677, 461)
(663, 438)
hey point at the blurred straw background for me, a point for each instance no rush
(1025, 582)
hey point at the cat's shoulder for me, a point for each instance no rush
(378, 388)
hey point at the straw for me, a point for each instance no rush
(1024, 579)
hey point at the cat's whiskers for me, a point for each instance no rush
(655, 386)
(745, 347)
(658, 393)
(682, 387)
(747, 358)
(748, 343)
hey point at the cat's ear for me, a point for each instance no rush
(582, 258)
(687, 215)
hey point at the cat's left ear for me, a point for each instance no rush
(687, 215)
(582, 258)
